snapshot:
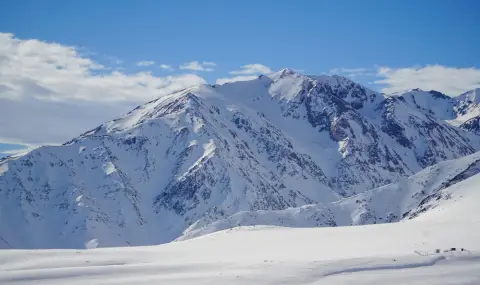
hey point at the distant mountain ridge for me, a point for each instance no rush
(209, 152)
(462, 110)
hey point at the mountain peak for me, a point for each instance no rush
(438, 94)
(282, 73)
(472, 96)
(287, 71)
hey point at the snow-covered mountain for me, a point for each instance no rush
(469, 111)
(406, 199)
(472, 96)
(203, 154)
(472, 125)
(462, 110)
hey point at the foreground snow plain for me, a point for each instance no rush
(397, 253)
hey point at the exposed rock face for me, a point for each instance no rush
(409, 198)
(472, 125)
(209, 152)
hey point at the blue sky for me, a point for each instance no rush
(312, 35)
(374, 42)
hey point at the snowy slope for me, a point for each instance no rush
(208, 152)
(472, 96)
(468, 110)
(432, 102)
(397, 253)
(456, 110)
(472, 125)
(406, 199)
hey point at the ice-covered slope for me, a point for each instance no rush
(208, 152)
(406, 199)
(412, 252)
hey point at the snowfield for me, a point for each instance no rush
(395, 253)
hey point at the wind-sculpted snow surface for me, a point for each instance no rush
(203, 154)
(373, 254)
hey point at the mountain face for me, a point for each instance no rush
(472, 125)
(406, 199)
(205, 153)
(462, 111)
(469, 111)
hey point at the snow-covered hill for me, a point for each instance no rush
(417, 251)
(208, 152)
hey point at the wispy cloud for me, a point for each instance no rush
(49, 93)
(209, 63)
(246, 72)
(347, 70)
(114, 60)
(254, 68)
(166, 67)
(449, 80)
(235, 78)
(198, 66)
(352, 72)
(144, 63)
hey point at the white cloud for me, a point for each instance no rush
(114, 60)
(449, 80)
(246, 72)
(236, 78)
(254, 68)
(198, 66)
(209, 63)
(144, 63)
(49, 93)
(166, 67)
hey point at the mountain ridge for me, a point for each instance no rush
(404, 200)
(208, 152)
